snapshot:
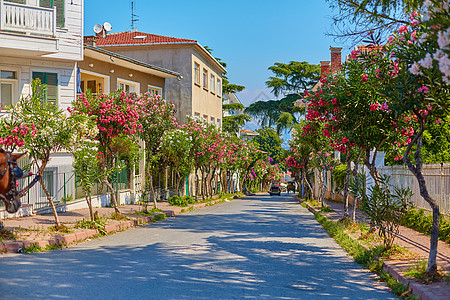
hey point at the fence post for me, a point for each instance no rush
(442, 200)
(65, 195)
(28, 194)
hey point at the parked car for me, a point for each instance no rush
(275, 188)
(291, 186)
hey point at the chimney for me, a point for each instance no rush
(335, 59)
(90, 40)
(324, 68)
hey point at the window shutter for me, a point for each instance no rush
(59, 10)
(41, 77)
(51, 80)
(17, 1)
(52, 88)
(60, 20)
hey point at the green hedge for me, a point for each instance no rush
(420, 220)
(181, 201)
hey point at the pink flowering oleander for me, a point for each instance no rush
(403, 29)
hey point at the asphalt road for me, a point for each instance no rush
(260, 247)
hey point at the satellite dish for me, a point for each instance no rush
(98, 28)
(107, 26)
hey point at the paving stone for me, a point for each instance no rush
(68, 238)
(12, 247)
(42, 244)
(27, 244)
(81, 236)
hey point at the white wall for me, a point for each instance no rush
(25, 67)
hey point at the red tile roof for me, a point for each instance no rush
(369, 48)
(129, 38)
(248, 131)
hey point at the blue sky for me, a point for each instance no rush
(250, 35)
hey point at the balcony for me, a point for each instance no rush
(28, 19)
(31, 30)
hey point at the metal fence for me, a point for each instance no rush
(437, 178)
(64, 187)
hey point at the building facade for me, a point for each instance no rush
(197, 93)
(40, 39)
(102, 71)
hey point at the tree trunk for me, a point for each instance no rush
(211, 180)
(87, 196)
(355, 199)
(50, 201)
(321, 188)
(203, 183)
(417, 171)
(373, 171)
(348, 170)
(49, 198)
(196, 182)
(152, 190)
(178, 183)
(227, 181)
(309, 185)
(112, 193)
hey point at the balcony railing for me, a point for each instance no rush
(27, 19)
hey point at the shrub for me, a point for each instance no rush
(421, 221)
(384, 207)
(181, 201)
(88, 224)
(160, 217)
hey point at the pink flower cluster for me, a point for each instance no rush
(15, 137)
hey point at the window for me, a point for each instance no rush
(197, 116)
(197, 73)
(205, 118)
(154, 90)
(92, 85)
(127, 86)
(8, 83)
(59, 9)
(213, 121)
(219, 124)
(50, 93)
(213, 79)
(205, 79)
(219, 88)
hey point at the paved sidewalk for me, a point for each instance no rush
(36, 229)
(416, 243)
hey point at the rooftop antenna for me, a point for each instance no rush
(133, 16)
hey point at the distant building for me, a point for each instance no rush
(197, 92)
(230, 98)
(326, 67)
(247, 134)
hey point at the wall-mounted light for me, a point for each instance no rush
(111, 71)
(91, 65)
(131, 75)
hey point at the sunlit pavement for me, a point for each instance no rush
(259, 247)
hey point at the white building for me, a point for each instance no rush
(42, 39)
(40, 42)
